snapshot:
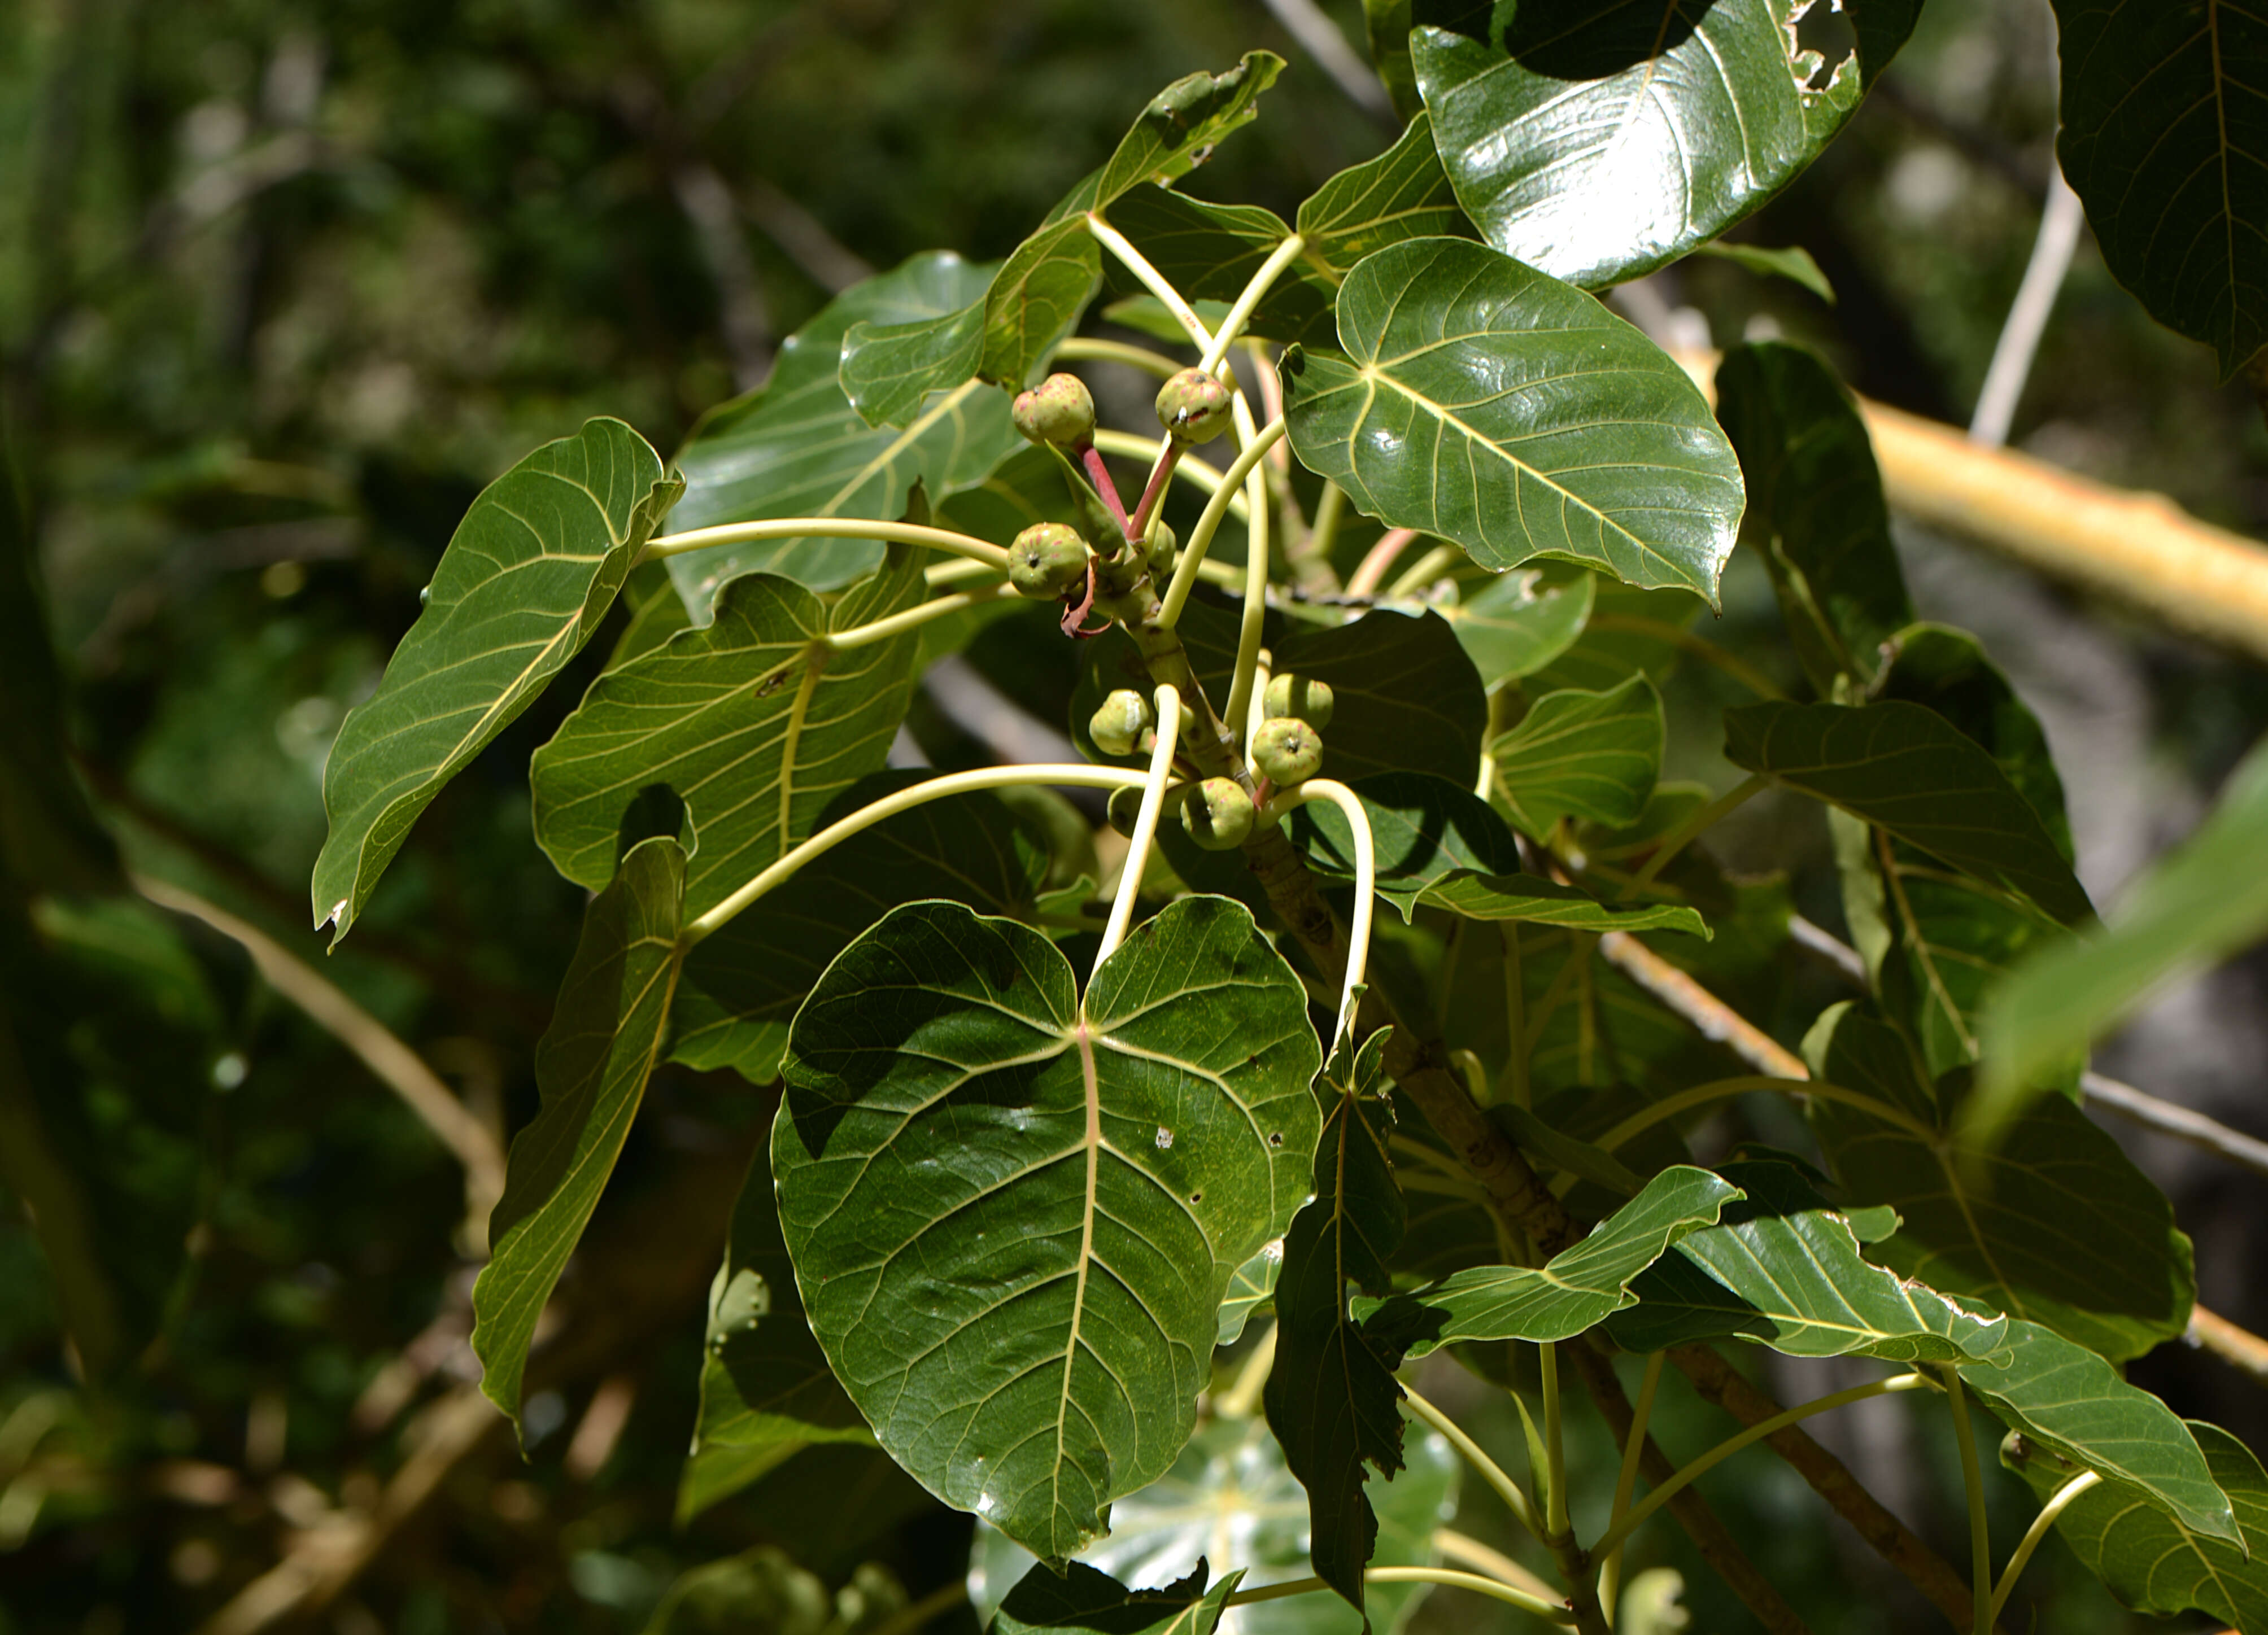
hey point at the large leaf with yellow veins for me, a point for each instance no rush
(1014, 1210)
(1485, 402)
(756, 721)
(526, 578)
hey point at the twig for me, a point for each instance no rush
(2136, 550)
(2240, 1346)
(401, 1070)
(2027, 316)
(1709, 1016)
(1378, 561)
(1320, 38)
(938, 1602)
(743, 315)
(802, 237)
(2181, 1123)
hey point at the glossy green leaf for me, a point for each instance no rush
(1816, 509)
(1423, 829)
(2151, 1560)
(1600, 142)
(1513, 624)
(1386, 25)
(1014, 1214)
(753, 720)
(742, 984)
(2164, 137)
(1630, 631)
(2049, 1220)
(796, 447)
(1039, 292)
(1784, 1270)
(1909, 771)
(1405, 698)
(1332, 1401)
(2197, 905)
(1232, 1502)
(766, 1391)
(526, 578)
(1485, 402)
(1592, 755)
(1544, 902)
(1402, 194)
(1209, 252)
(1792, 262)
(1577, 1289)
(1949, 672)
(591, 1067)
(2071, 1401)
(1080, 1601)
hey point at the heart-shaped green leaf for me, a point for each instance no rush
(2150, 1560)
(888, 368)
(1546, 902)
(795, 447)
(766, 1391)
(1405, 698)
(1513, 624)
(1601, 141)
(1014, 1212)
(2165, 133)
(1907, 769)
(1482, 402)
(1592, 755)
(1230, 1500)
(1579, 1288)
(742, 984)
(1332, 1401)
(1080, 1601)
(591, 1067)
(2197, 905)
(1402, 194)
(1816, 508)
(1784, 1270)
(526, 578)
(753, 720)
(2066, 1399)
(2048, 1220)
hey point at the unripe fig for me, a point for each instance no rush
(1218, 814)
(1058, 410)
(1118, 725)
(1300, 698)
(1047, 560)
(1287, 751)
(1125, 806)
(1160, 549)
(1194, 406)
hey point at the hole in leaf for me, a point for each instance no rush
(1821, 39)
(1276, 1138)
(653, 810)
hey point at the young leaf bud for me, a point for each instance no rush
(1125, 806)
(1194, 408)
(1047, 560)
(1300, 698)
(1286, 750)
(1160, 548)
(1119, 724)
(1059, 410)
(1218, 814)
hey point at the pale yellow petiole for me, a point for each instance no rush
(1255, 290)
(2038, 1531)
(1366, 879)
(1551, 1612)
(827, 528)
(1168, 702)
(1155, 281)
(1514, 1495)
(1087, 350)
(913, 617)
(1610, 1571)
(905, 800)
(1253, 623)
(1200, 540)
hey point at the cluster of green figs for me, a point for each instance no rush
(1218, 813)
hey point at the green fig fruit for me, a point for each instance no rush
(1194, 408)
(1125, 806)
(1118, 725)
(1047, 560)
(1159, 551)
(1287, 751)
(1059, 410)
(1218, 814)
(1297, 697)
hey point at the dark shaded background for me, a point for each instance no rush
(282, 285)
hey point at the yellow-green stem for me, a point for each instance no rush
(914, 617)
(905, 800)
(1168, 704)
(1719, 1089)
(1085, 348)
(1200, 540)
(1254, 622)
(2038, 1531)
(1555, 1448)
(1682, 836)
(1255, 289)
(1549, 1611)
(1610, 1571)
(1155, 281)
(1424, 571)
(827, 528)
(1489, 1470)
(1366, 880)
(1972, 1481)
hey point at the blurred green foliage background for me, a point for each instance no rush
(282, 285)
